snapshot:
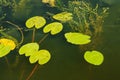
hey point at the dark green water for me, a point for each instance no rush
(67, 61)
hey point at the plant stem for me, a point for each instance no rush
(33, 35)
(7, 61)
(22, 36)
(43, 38)
(32, 72)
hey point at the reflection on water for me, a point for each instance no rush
(67, 61)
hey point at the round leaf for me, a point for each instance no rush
(94, 57)
(42, 56)
(4, 50)
(29, 49)
(77, 38)
(63, 16)
(36, 21)
(8, 42)
(54, 27)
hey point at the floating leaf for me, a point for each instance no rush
(29, 49)
(63, 16)
(4, 50)
(54, 27)
(36, 21)
(94, 57)
(8, 42)
(77, 38)
(42, 56)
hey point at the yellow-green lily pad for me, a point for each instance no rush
(29, 49)
(36, 21)
(42, 56)
(63, 16)
(8, 42)
(4, 50)
(54, 28)
(77, 38)
(94, 57)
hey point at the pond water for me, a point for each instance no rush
(67, 62)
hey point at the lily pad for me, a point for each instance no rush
(63, 16)
(42, 56)
(54, 28)
(77, 38)
(94, 57)
(8, 42)
(29, 49)
(4, 50)
(36, 21)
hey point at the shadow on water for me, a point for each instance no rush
(67, 61)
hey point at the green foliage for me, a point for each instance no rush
(6, 45)
(77, 38)
(4, 50)
(42, 56)
(94, 57)
(29, 49)
(54, 28)
(32, 50)
(36, 21)
(63, 16)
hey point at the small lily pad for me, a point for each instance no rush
(42, 56)
(54, 28)
(29, 49)
(36, 21)
(63, 16)
(77, 38)
(4, 50)
(94, 57)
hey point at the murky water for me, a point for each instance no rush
(67, 62)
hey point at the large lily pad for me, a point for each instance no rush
(42, 56)
(54, 28)
(4, 50)
(8, 42)
(63, 16)
(94, 57)
(36, 21)
(77, 38)
(29, 49)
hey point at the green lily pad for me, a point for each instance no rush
(54, 28)
(42, 56)
(29, 49)
(4, 50)
(94, 57)
(77, 38)
(63, 16)
(36, 21)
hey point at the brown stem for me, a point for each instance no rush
(33, 35)
(22, 36)
(43, 38)
(7, 61)
(32, 72)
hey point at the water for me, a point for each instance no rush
(67, 62)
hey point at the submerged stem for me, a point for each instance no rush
(33, 35)
(43, 38)
(32, 72)
(7, 61)
(22, 36)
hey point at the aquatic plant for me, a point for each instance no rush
(50, 2)
(36, 21)
(6, 45)
(77, 38)
(54, 28)
(94, 57)
(87, 19)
